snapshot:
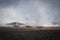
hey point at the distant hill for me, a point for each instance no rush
(15, 24)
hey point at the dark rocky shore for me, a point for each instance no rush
(7, 33)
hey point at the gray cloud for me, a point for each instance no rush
(7, 3)
(33, 12)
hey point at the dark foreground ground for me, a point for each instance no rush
(28, 34)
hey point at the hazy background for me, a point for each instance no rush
(32, 12)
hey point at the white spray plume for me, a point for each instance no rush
(43, 16)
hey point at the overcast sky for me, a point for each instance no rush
(32, 12)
